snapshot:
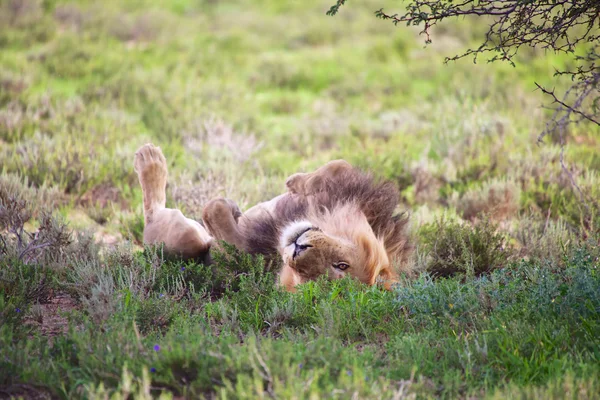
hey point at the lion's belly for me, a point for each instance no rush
(267, 206)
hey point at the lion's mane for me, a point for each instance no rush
(377, 199)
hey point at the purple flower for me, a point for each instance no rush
(152, 369)
(156, 347)
(17, 309)
(349, 373)
(161, 295)
(183, 268)
(300, 365)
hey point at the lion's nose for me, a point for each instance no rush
(299, 248)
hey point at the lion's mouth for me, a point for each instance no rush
(293, 232)
(299, 235)
(292, 236)
(298, 247)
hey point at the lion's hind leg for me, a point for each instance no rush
(151, 167)
(181, 236)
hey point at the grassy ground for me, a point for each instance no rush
(239, 95)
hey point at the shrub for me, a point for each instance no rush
(156, 314)
(239, 274)
(15, 187)
(454, 248)
(46, 245)
(31, 262)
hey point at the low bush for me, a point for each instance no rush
(455, 248)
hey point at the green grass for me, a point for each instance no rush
(239, 95)
(197, 331)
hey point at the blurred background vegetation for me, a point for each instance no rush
(240, 94)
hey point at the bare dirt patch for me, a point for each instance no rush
(50, 317)
(24, 391)
(103, 195)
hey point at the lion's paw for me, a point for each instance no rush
(150, 164)
(151, 167)
(295, 183)
(235, 209)
(216, 205)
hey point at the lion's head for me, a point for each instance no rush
(334, 243)
(346, 227)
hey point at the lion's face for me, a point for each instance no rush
(334, 244)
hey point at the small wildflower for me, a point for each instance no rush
(451, 305)
(300, 365)
(17, 309)
(152, 369)
(156, 347)
(183, 268)
(349, 373)
(162, 295)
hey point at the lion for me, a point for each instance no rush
(335, 221)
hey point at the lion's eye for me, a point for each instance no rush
(342, 266)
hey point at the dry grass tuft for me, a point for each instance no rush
(497, 199)
(218, 135)
(20, 13)
(426, 184)
(69, 15)
(14, 187)
(546, 240)
(191, 194)
(144, 27)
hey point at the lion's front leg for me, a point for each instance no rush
(220, 217)
(181, 236)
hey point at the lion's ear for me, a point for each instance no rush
(387, 278)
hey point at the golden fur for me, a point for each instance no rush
(334, 221)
